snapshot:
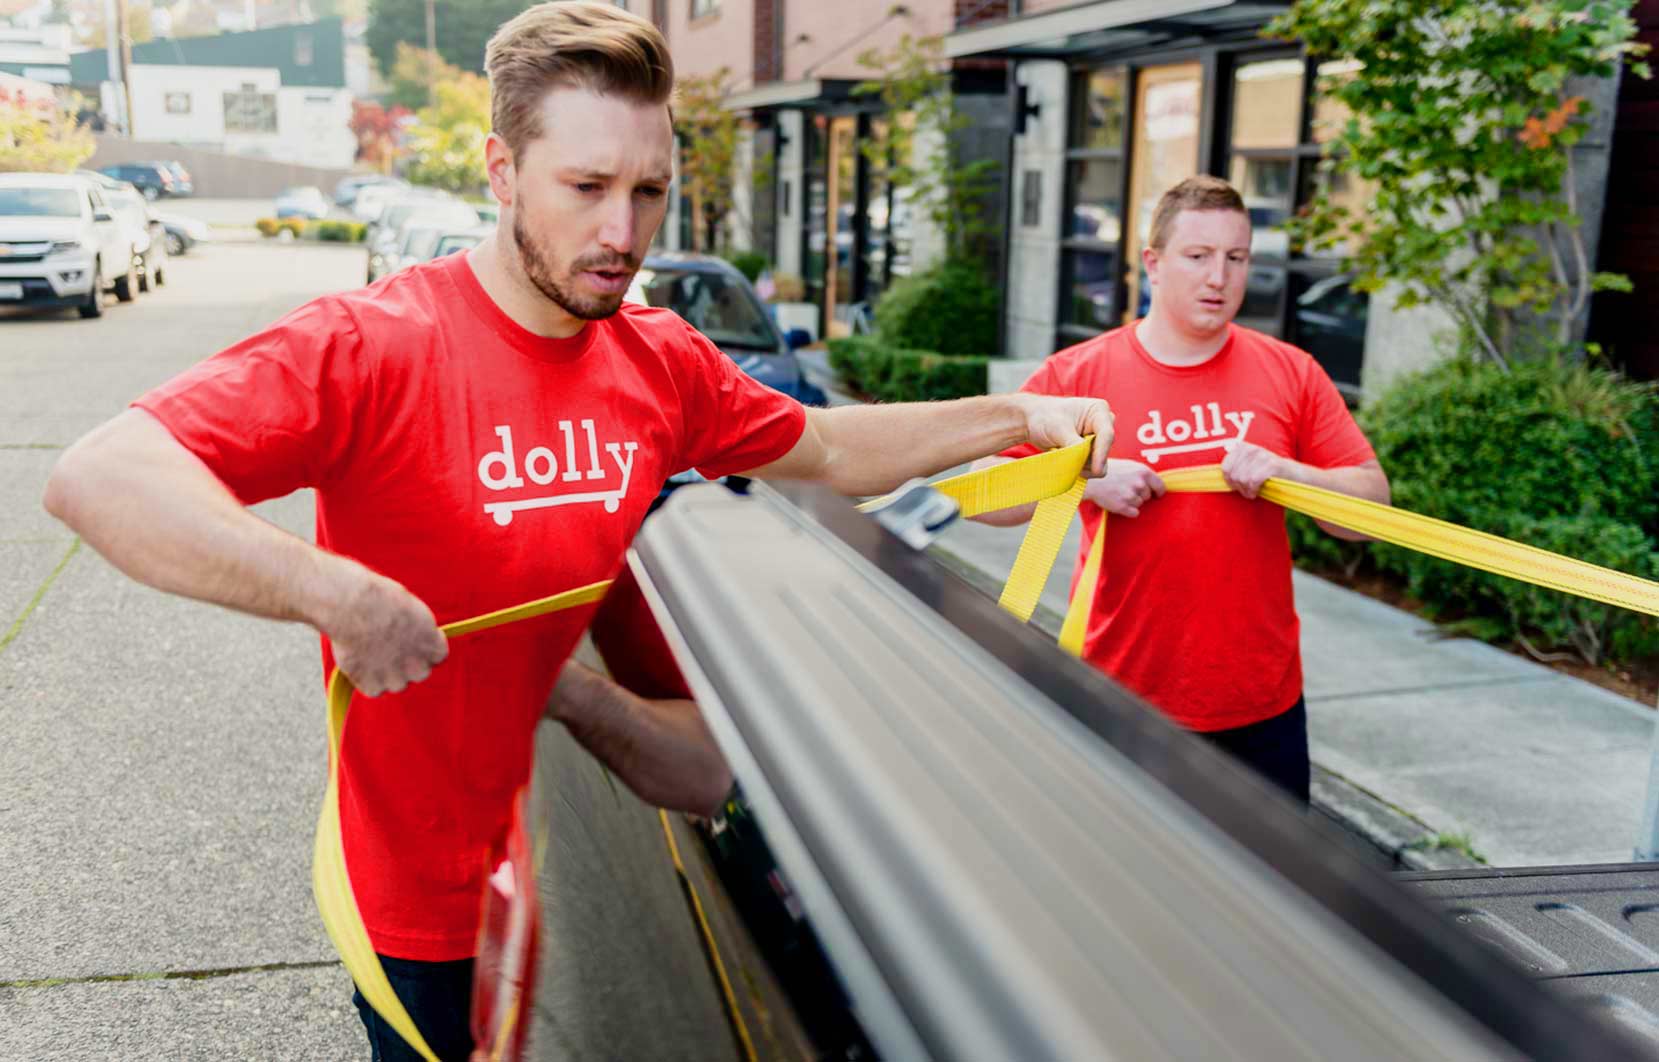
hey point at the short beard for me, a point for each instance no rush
(541, 275)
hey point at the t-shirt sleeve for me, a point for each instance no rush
(1326, 434)
(733, 422)
(270, 414)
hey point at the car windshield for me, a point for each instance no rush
(418, 241)
(40, 202)
(716, 305)
(451, 244)
(303, 191)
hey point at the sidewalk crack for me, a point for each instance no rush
(169, 975)
(17, 624)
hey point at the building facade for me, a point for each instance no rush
(277, 93)
(809, 198)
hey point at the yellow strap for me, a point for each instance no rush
(330, 883)
(1437, 538)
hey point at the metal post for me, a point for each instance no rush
(112, 55)
(1647, 841)
(124, 24)
(432, 48)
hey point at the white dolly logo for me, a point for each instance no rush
(498, 470)
(1161, 438)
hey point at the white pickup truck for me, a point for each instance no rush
(60, 244)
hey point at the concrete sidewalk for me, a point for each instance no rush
(1417, 738)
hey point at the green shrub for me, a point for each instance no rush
(871, 366)
(750, 263)
(339, 231)
(1559, 456)
(268, 226)
(950, 308)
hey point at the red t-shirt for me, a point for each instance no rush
(1194, 609)
(480, 466)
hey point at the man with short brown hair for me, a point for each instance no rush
(1194, 609)
(482, 430)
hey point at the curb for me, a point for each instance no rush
(1402, 840)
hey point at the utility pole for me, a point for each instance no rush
(112, 57)
(125, 28)
(432, 51)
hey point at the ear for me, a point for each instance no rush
(498, 163)
(1149, 259)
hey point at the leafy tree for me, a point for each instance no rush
(446, 145)
(463, 28)
(139, 27)
(40, 136)
(913, 81)
(377, 130)
(708, 157)
(414, 75)
(1461, 121)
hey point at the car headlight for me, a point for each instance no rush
(65, 246)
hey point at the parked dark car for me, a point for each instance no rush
(183, 183)
(151, 179)
(718, 301)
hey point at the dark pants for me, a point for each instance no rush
(438, 996)
(1277, 748)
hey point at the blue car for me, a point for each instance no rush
(718, 301)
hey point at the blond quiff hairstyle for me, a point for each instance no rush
(1194, 193)
(591, 46)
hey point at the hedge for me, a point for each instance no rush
(887, 373)
(950, 308)
(1560, 456)
(330, 231)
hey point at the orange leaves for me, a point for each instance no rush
(1538, 133)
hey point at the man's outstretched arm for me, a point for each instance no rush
(156, 512)
(661, 749)
(873, 449)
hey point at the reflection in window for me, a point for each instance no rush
(1095, 192)
(1097, 110)
(1329, 323)
(1267, 112)
(712, 303)
(1089, 284)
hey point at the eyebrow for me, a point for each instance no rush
(606, 175)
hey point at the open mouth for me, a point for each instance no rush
(609, 280)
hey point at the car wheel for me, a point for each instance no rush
(175, 244)
(160, 276)
(126, 285)
(94, 304)
(152, 194)
(144, 277)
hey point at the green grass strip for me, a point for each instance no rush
(168, 975)
(17, 624)
(33, 446)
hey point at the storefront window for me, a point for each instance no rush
(1092, 237)
(1266, 119)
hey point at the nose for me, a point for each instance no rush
(616, 231)
(1216, 275)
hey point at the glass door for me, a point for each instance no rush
(839, 289)
(1163, 152)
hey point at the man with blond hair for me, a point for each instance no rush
(1194, 609)
(481, 430)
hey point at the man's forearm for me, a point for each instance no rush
(662, 750)
(155, 512)
(1366, 481)
(872, 449)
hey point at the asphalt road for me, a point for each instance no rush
(162, 760)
